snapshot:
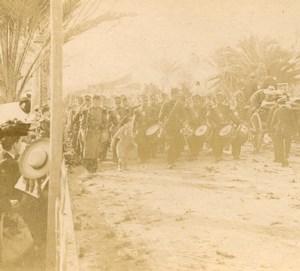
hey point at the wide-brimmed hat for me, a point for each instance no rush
(34, 161)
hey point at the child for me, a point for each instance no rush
(125, 144)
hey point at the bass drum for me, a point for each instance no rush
(152, 130)
(203, 132)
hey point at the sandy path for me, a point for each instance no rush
(232, 215)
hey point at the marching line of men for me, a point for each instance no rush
(152, 126)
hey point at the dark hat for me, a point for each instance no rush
(87, 97)
(14, 128)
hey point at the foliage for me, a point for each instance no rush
(167, 68)
(25, 36)
(263, 57)
(186, 80)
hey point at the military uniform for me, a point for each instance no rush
(93, 121)
(272, 135)
(155, 142)
(283, 126)
(195, 117)
(73, 125)
(116, 121)
(80, 120)
(172, 116)
(236, 144)
(141, 122)
(216, 121)
(104, 140)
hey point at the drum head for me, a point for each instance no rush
(152, 129)
(225, 131)
(201, 130)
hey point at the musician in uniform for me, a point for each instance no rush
(141, 122)
(155, 109)
(195, 117)
(161, 141)
(127, 107)
(283, 125)
(105, 139)
(270, 130)
(171, 116)
(239, 134)
(74, 123)
(116, 120)
(216, 121)
(79, 118)
(93, 120)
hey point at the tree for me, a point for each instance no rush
(24, 22)
(186, 80)
(263, 57)
(167, 68)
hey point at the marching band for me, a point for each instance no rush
(181, 121)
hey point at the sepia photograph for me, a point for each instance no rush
(149, 135)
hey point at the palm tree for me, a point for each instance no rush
(167, 68)
(263, 57)
(23, 22)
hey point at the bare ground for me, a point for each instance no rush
(231, 215)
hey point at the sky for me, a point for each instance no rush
(187, 31)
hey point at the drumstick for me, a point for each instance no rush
(169, 116)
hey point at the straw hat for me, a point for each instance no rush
(34, 161)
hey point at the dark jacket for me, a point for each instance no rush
(172, 115)
(9, 175)
(283, 121)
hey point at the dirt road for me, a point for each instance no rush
(232, 215)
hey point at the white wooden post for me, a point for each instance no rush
(56, 133)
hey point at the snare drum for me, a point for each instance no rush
(152, 130)
(227, 132)
(204, 132)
